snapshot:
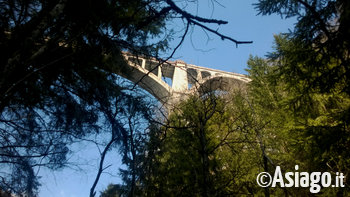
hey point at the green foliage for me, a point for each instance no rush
(312, 64)
(316, 52)
(207, 149)
(321, 110)
(112, 191)
(295, 111)
(310, 133)
(58, 82)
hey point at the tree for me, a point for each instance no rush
(112, 191)
(128, 122)
(271, 120)
(58, 73)
(308, 134)
(208, 148)
(138, 120)
(296, 111)
(313, 63)
(320, 39)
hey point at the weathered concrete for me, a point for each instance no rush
(186, 79)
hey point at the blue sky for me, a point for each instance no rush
(244, 24)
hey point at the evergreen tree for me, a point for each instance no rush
(208, 149)
(58, 73)
(309, 133)
(312, 62)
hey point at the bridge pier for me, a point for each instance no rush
(180, 81)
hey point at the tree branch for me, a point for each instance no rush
(101, 168)
(317, 16)
(196, 20)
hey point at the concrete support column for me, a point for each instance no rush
(180, 82)
(159, 72)
(143, 65)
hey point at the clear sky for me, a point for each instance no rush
(244, 24)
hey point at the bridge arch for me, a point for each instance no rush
(148, 81)
(185, 78)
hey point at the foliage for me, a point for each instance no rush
(206, 149)
(316, 51)
(58, 73)
(216, 145)
(312, 63)
(311, 136)
(112, 191)
(133, 150)
(295, 111)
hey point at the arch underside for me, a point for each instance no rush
(162, 91)
(218, 83)
(149, 82)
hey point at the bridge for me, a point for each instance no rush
(172, 81)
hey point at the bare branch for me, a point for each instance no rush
(196, 20)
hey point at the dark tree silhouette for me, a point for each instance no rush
(58, 65)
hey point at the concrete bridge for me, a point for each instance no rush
(172, 81)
